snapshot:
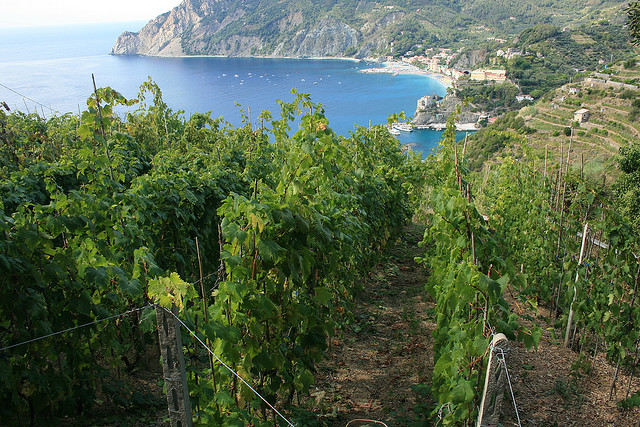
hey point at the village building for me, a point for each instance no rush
(498, 76)
(581, 116)
(521, 98)
(429, 101)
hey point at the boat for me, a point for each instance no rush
(403, 127)
(393, 131)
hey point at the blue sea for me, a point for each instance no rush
(49, 70)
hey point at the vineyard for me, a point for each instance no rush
(257, 238)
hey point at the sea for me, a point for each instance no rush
(49, 70)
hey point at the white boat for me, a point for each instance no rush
(393, 131)
(403, 127)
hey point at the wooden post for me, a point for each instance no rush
(175, 375)
(494, 384)
(546, 156)
(569, 152)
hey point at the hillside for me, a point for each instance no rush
(300, 28)
(262, 245)
(549, 125)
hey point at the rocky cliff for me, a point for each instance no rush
(256, 28)
(440, 112)
(357, 28)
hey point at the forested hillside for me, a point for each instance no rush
(348, 28)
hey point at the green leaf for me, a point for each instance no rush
(132, 287)
(304, 380)
(269, 250)
(224, 398)
(462, 392)
(263, 361)
(323, 295)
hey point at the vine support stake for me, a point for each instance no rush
(205, 313)
(175, 375)
(575, 290)
(494, 385)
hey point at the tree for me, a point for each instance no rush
(628, 185)
(633, 21)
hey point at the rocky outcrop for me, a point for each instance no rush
(328, 38)
(440, 112)
(256, 28)
(163, 35)
(468, 59)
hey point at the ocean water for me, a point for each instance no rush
(49, 70)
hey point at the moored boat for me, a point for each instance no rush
(393, 131)
(403, 127)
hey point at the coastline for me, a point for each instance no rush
(394, 67)
(315, 58)
(388, 67)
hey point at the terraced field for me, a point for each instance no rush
(614, 121)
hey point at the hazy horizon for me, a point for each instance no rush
(41, 13)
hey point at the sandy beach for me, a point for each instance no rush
(394, 67)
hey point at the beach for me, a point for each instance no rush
(396, 67)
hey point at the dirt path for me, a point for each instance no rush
(372, 369)
(380, 367)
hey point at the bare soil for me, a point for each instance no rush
(377, 371)
(556, 386)
(373, 367)
(379, 368)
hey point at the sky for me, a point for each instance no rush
(37, 13)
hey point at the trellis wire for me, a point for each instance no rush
(366, 421)
(502, 360)
(227, 366)
(76, 327)
(32, 100)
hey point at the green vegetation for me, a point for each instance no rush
(628, 185)
(101, 215)
(411, 36)
(468, 278)
(633, 20)
(553, 56)
(506, 132)
(498, 98)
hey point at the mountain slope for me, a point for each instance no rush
(357, 28)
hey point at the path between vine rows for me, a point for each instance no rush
(372, 369)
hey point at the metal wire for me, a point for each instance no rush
(502, 360)
(32, 100)
(366, 421)
(227, 366)
(76, 327)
